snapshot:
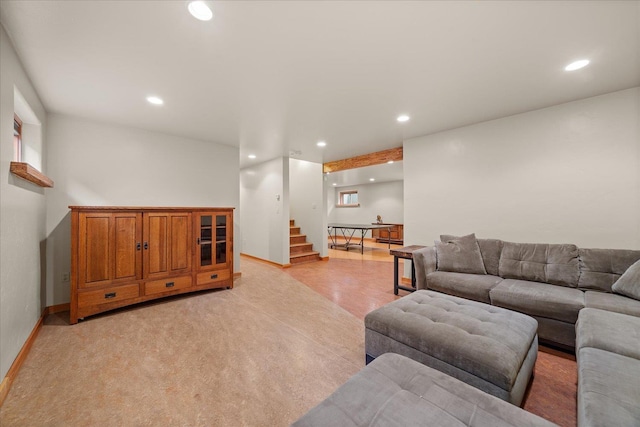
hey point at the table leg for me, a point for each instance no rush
(395, 275)
(413, 275)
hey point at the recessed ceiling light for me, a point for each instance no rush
(251, 156)
(155, 100)
(390, 162)
(403, 118)
(321, 144)
(200, 10)
(334, 184)
(372, 179)
(577, 65)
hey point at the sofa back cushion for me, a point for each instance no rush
(555, 264)
(490, 250)
(601, 268)
(460, 255)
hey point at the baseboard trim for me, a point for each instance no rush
(12, 373)
(237, 275)
(405, 280)
(56, 309)
(324, 258)
(266, 261)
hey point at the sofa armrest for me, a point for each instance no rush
(424, 263)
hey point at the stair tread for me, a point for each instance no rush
(301, 244)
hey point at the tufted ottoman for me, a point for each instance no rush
(397, 391)
(490, 348)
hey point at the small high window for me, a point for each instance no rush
(17, 139)
(348, 199)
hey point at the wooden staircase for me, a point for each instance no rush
(299, 250)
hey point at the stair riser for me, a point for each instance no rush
(297, 239)
(307, 258)
(294, 230)
(300, 249)
(292, 222)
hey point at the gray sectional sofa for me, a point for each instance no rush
(550, 282)
(587, 299)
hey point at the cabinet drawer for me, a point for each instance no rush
(166, 285)
(108, 295)
(212, 276)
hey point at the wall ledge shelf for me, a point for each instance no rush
(31, 174)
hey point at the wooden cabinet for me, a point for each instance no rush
(125, 255)
(395, 233)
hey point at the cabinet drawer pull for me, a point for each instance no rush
(214, 276)
(110, 295)
(169, 284)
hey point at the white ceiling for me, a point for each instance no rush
(272, 77)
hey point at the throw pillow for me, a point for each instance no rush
(629, 283)
(460, 255)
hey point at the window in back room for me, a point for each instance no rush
(348, 198)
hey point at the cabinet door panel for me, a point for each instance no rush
(157, 241)
(180, 242)
(94, 245)
(126, 263)
(167, 238)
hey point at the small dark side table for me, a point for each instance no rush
(405, 252)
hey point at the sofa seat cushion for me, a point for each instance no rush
(470, 286)
(608, 389)
(601, 268)
(555, 264)
(612, 302)
(394, 390)
(539, 299)
(614, 332)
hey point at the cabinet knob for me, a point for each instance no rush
(146, 245)
(138, 246)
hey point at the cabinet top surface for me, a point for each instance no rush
(148, 208)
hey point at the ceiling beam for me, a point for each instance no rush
(377, 158)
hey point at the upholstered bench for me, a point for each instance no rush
(490, 348)
(396, 391)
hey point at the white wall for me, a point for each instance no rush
(306, 202)
(564, 174)
(101, 164)
(383, 198)
(22, 219)
(264, 219)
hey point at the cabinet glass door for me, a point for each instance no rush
(206, 240)
(221, 239)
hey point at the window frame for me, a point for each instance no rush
(347, 205)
